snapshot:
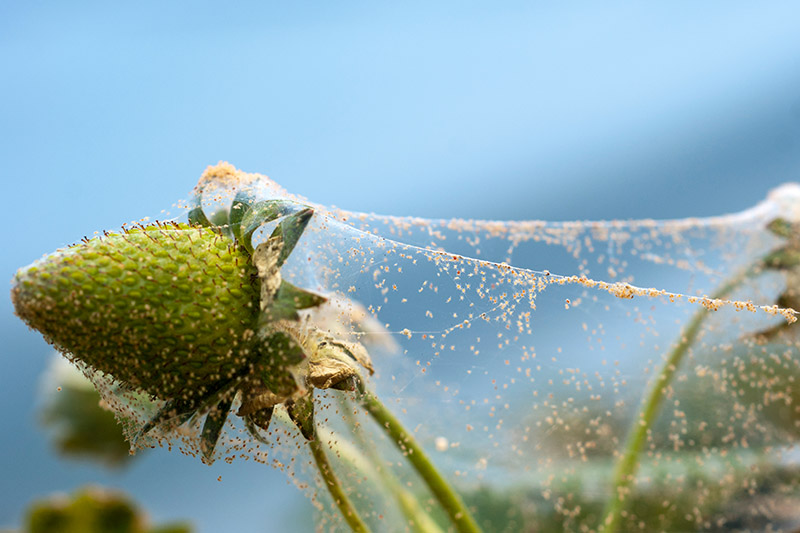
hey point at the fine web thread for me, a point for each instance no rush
(518, 353)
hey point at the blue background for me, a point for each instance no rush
(563, 111)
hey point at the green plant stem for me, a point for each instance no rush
(447, 497)
(335, 488)
(648, 412)
(418, 518)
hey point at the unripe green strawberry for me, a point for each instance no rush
(170, 309)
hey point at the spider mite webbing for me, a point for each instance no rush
(518, 354)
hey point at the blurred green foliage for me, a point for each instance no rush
(92, 510)
(677, 496)
(72, 413)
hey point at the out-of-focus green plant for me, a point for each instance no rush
(92, 510)
(76, 420)
(773, 382)
(784, 259)
(569, 504)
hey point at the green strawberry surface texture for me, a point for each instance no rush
(167, 308)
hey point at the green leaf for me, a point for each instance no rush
(79, 427)
(261, 213)
(781, 228)
(219, 219)
(291, 229)
(301, 411)
(280, 347)
(212, 428)
(259, 421)
(175, 411)
(289, 299)
(350, 384)
(278, 353)
(242, 204)
(87, 511)
(197, 217)
(783, 258)
(180, 411)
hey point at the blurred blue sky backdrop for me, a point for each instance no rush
(559, 111)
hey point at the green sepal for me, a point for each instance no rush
(279, 380)
(288, 300)
(255, 422)
(210, 401)
(290, 229)
(263, 212)
(301, 411)
(350, 384)
(262, 417)
(781, 227)
(279, 352)
(212, 427)
(281, 348)
(783, 258)
(242, 204)
(180, 411)
(254, 430)
(219, 221)
(197, 217)
(176, 411)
